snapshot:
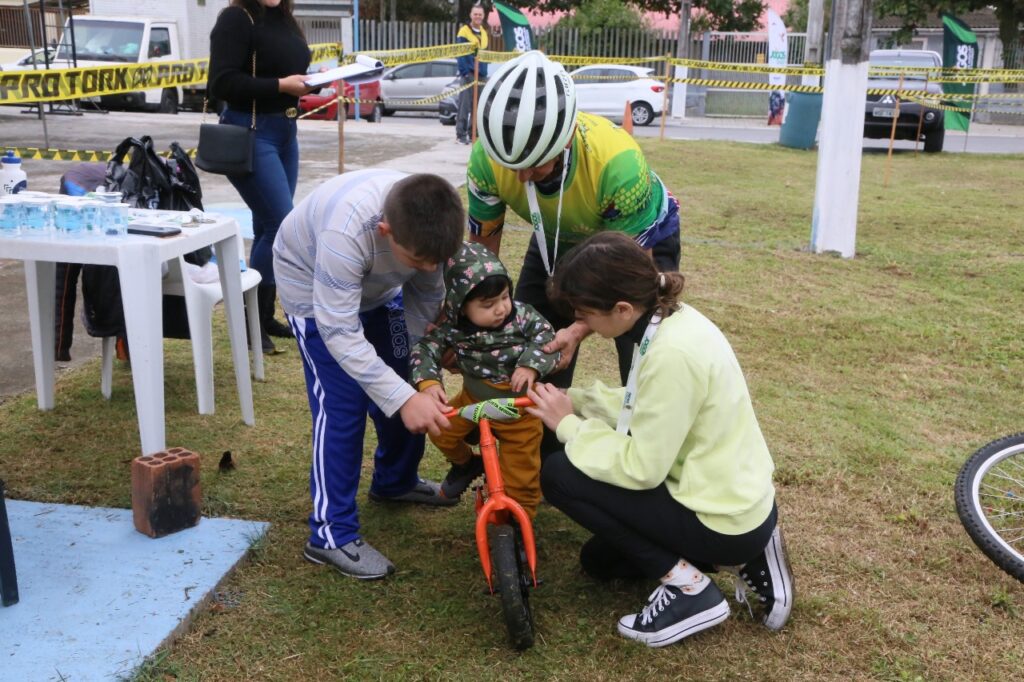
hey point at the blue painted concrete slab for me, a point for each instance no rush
(237, 210)
(97, 596)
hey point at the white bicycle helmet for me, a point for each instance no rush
(527, 111)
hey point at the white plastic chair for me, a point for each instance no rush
(200, 300)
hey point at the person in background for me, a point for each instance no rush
(268, 30)
(357, 262)
(474, 33)
(584, 175)
(671, 473)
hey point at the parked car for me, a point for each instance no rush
(604, 89)
(881, 109)
(36, 59)
(448, 108)
(410, 82)
(370, 110)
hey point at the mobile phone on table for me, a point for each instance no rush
(154, 230)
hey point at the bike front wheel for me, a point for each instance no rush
(512, 581)
(990, 502)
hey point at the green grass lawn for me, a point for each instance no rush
(873, 379)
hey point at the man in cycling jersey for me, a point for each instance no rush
(570, 175)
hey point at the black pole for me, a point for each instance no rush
(8, 576)
(71, 30)
(42, 24)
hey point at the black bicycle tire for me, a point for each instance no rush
(510, 584)
(968, 504)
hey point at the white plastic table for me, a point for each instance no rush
(138, 260)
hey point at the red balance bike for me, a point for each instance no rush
(504, 533)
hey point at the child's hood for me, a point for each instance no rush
(470, 265)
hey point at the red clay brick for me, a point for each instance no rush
(166, 494)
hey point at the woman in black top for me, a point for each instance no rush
(268, 28)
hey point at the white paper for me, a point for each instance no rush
(363, 70)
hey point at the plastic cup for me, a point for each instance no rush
(36, 215)
(113, 220)
(92, 218)
(107, 197)
(10, 216)
(69, 219)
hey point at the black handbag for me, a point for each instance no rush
(227, 149)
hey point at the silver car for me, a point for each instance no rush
(410, 82)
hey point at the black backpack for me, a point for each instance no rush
(146, 180)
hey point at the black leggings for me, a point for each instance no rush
(648, 528)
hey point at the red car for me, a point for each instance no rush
(372, 108)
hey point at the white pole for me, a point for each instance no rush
(682, 52)
(837, 191)
(815, 37)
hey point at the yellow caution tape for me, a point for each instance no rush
(568, 60)
(414, 54)
(58, 84)
(417, 102)
(748, 68)
(977, 106)
(954, 75)
(742, 85)
(74, 154)
(321, 52)
(51, 85)
(952, 95)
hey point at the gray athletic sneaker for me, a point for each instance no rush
(425, 492)
(357, 559)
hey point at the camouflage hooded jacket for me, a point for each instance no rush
(488, 354)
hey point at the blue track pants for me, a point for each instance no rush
(339, 407)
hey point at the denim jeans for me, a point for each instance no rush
(269, 189)
(464, 115)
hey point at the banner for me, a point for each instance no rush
(515, 29)
(959, 51)
(53, 85)
(778, 55)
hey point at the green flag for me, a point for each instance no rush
(515, 29)
(959, 51)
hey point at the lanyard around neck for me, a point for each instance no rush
(629, 400)
(538, 222)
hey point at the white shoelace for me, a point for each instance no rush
(741, 587)
(657, 602)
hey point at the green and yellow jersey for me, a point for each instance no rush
(608, 187)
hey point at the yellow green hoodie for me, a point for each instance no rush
(693, 429)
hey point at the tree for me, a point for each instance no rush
(405, 10)
(720, 15)
(1009, 14)
(594, 16)
(795, 17)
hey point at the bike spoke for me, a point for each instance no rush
(992, 514)
(999, 473)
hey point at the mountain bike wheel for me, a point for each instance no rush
(512, 581)
(990, 502)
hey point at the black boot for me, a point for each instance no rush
(265, 343)
(267, 294)
(266, 312)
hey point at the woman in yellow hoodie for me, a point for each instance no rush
(670, 473)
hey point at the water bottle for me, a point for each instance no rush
(12, 177)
